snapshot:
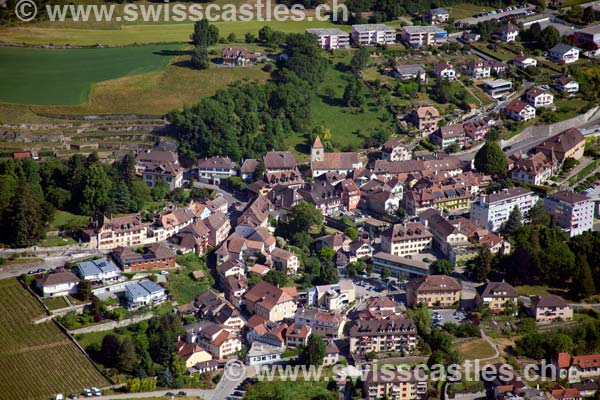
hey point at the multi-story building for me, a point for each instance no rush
(519, 110)
(396, 264)
(372, 34)
(416, 35)
(215, 169)
(426, 119)
(331, 38)
(508, 33)
(219, 341)
(107, 233)
(379, 335)
(493, 210)
(550, 308)
(406, 239)
(448, 135)
(539, 97)
(395, 150)
(155, 165)
(332, 297)
(433, 291)
(350, 193)
(566, 84)
(437, 16)
(571, 211)
(588, 38)
(497, 296)
(322, 323)
(577, 368)
(497, 88)
(563, 53)
(399, 387)
(270, 302)
(445, 71)
(144, 293)
(99, 271)
(449, 197)
(156, 256)
(567, 144)
(477, 129)
(479, 69)
(340, 162)
(285, 261)
(536, 169)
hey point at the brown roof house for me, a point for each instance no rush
(433, 291)
(151, 257)
(378, 335)
(426, 119)
(496, 296)
(58, 284)
(237, 56)
(271, 302)
(569, 143)
(550, 308)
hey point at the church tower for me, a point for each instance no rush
(317, 151)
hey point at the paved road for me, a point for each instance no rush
(47, 263)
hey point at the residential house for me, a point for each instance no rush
(98, 271)
(535, 170)
(407, 72)
(190, 353)
(372, 34)
(332, 297)
(564, 53)
(261, 353)
(234, 288)
(219, 341)
(322, 323)
(567, 144)
(271, 302)
(406, 239)
(476, 129)
(237, 56)
(426, 119)
(566, 84)
(418, 35)
(331, 38)
(550, 308)
(144, 293)
(56, 284)
(321, 162)
(248, 168)
(383, 335)
(214, 307)
(508, 33)
(445, 71)
(493, 210)
(156, 256)
(523, 61)
(154, 157)
(107, 233)
(449, 196)
(562, 393)
(297, 334)
(281, 169)
(497, 88)
(194, 238)
(350, 193)
(255, 215)
(447, 237)
(332, 354)
(538, 97)
(394, 150)
(322, 195)
(432, 291)
(497, 296)
(571, 211)
(577, 368)
(519, 110)
(169, 173)
(359, 248)
(437, 16)
(448, 135)
(479, 69)
(216, 169)
(285, 261)
(218, 225)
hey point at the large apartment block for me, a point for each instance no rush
(572, 211)
(377, 335)
(376, 386)
(372, 34)
(331, 38)
(492, 211)
(424, 35)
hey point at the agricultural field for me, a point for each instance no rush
(39, 354)
(65, 76)
(465, 10)
(144, 34)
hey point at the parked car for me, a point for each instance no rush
(164, 272)
(96, 391)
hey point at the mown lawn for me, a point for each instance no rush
(37, 361)
(65, 218)
(473, 349)
(465, 10)
(65, 77)
(182, 286)
(55, 303)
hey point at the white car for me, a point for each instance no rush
(87, 393)
(164, 272)
(96, 391)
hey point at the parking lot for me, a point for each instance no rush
(448, 315)
(494, 15)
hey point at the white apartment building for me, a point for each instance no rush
(492, 211)
(538, 97)
(424, 35)
(372, 34)
(572, 211)
(331, 38)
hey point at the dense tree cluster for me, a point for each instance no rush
(490, 159)
(251, 119)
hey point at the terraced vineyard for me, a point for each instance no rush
(37, 361)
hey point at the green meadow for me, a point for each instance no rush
(66, 76)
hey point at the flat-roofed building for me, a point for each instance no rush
(497, 88)
(397, 264)
(493, 210)
(571, 211)
(331, 38)
(416, 35)
(372, 34)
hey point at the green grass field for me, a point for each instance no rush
(473, 349)
(65, 77)
(182, 286)
(37, 361)
(140, 34)
(465, 10)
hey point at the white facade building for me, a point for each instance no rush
(492, 211)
